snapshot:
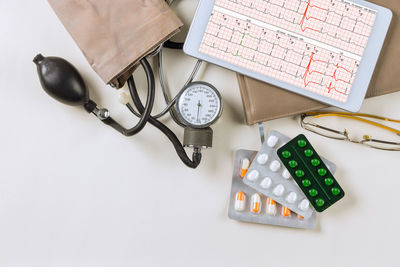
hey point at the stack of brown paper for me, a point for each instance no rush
(263, 102)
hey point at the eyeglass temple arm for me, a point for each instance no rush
(353, 116)
(321, 127)
(313, 113)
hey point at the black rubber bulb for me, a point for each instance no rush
(61, 80)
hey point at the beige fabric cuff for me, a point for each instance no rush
(115, 34)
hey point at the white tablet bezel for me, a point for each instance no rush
(364, 73)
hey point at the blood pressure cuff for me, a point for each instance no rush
(115, 34)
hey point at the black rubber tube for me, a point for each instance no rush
(196, 157)
(146, 110)
(149, 102)
(173, 45)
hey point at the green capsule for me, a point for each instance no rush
(302, 143)
(308, 153)
(313, 192)
(335, 191)
(286, 154)
(315, 162)
(328, 181)
(320, 202)
(299, 173)
(306, 183)
(321, 172)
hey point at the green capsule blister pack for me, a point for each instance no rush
(310, 173)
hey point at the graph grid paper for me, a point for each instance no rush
(316, 45)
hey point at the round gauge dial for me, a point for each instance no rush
(199, 105)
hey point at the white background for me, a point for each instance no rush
(76, 193)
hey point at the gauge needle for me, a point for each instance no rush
(198, 110)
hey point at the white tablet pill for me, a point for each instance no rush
(291, 197)
(262, 159)
(279, 190)
(304, 205)
(272, 141)
(286, 174)
(253, 175)
(275, 166)
(266, 183)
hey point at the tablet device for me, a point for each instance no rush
(323, 49)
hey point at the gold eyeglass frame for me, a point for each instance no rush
(367, 139)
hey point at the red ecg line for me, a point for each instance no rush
(333, 76)
(309, 71)
(330, 88)
(309, 6)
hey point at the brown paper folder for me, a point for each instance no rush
(263, 102)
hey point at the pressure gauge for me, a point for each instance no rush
(199, 105)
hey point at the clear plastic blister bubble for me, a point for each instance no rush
(269, 176)
(248, 205)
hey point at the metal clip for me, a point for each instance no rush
(101, 113)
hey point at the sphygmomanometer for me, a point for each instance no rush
(196, 107)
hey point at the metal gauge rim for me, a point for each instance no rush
(205, 125)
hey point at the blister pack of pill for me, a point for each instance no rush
(248, 205)
(310, 173)
(268, 176)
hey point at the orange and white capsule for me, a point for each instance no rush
(271, 207)
(240, 201)
(245, 167)
(255, 203)
(286, 212)
(300, 217)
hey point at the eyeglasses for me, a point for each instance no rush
(344, 135)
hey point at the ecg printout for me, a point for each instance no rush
(316, 45)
